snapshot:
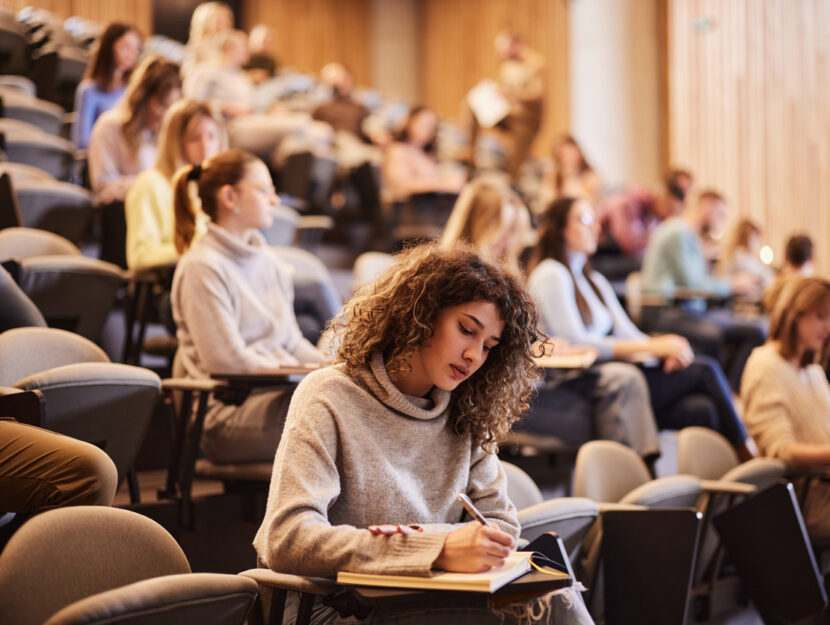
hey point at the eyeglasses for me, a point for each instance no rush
(268, 191)
(587, 219)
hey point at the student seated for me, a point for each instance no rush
(233, 301)
(222, 81)
(675, 259)
(579, 304)
(41, 470)
(434, 364)
(798, 263)
(105, 79)
(410, 166)
(123, 141)
(608, 400)
(190, 134)
(786, 394)
(742, 255)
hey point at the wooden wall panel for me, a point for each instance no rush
(749, 82)
(138, 12)
(311, 33)
(457, 52)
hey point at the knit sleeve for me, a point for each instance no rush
(553, 290)
(767, 412)
(296, 535)
(487, 489)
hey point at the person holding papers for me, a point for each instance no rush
(434, 364)
(233, 301)
(579, 304)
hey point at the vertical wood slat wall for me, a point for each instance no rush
(749, 83)
(457, 51)
(138, 12)
(311, 33)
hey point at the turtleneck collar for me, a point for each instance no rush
(577, 261)
(377, 381)
(253, 245)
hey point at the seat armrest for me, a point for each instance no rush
(286, 581)
(727, 488)
(315, 222)
(24, 406)
(189, 384)
(609, 506)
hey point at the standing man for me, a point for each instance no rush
(521, 77)
(521, 82)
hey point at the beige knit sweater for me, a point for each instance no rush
(784, 404)
(356, 452)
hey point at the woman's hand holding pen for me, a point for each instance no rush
(474, 548)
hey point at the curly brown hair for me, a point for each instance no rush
(395, 316)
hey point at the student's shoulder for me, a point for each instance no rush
(328, 382)
(549, 269)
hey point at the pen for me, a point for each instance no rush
(469, 507)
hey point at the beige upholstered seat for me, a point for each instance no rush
(87, 396)
(96, 565)
(570, 517)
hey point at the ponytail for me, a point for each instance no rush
(228, 167)
(183, 207)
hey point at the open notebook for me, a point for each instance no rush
(517, 564)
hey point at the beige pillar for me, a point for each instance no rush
(615, 87)
(395, 32)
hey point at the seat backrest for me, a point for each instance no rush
(48, 152)
(21, 171)
(74, 293)
(24, 351)
(606, 471)
(25, 243)
(17, 309)
(369, 265)
(186, 599)
(106, 404)
(521, 489)
(283, 228)
(704, 453)
(56, 206)
(67, 554)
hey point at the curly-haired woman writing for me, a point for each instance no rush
(434, 364)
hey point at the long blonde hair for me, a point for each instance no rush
(170, 157)
(478, 214)
(154, 77)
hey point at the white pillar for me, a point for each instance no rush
(615, 87)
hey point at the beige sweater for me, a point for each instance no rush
(356, 452)
(784, 404)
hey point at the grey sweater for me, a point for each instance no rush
(233, 306)
(357, 452)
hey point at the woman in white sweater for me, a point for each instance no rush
(190, 134)
(785, 391)
(579, 304)
(433, 366)
(232, 301)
